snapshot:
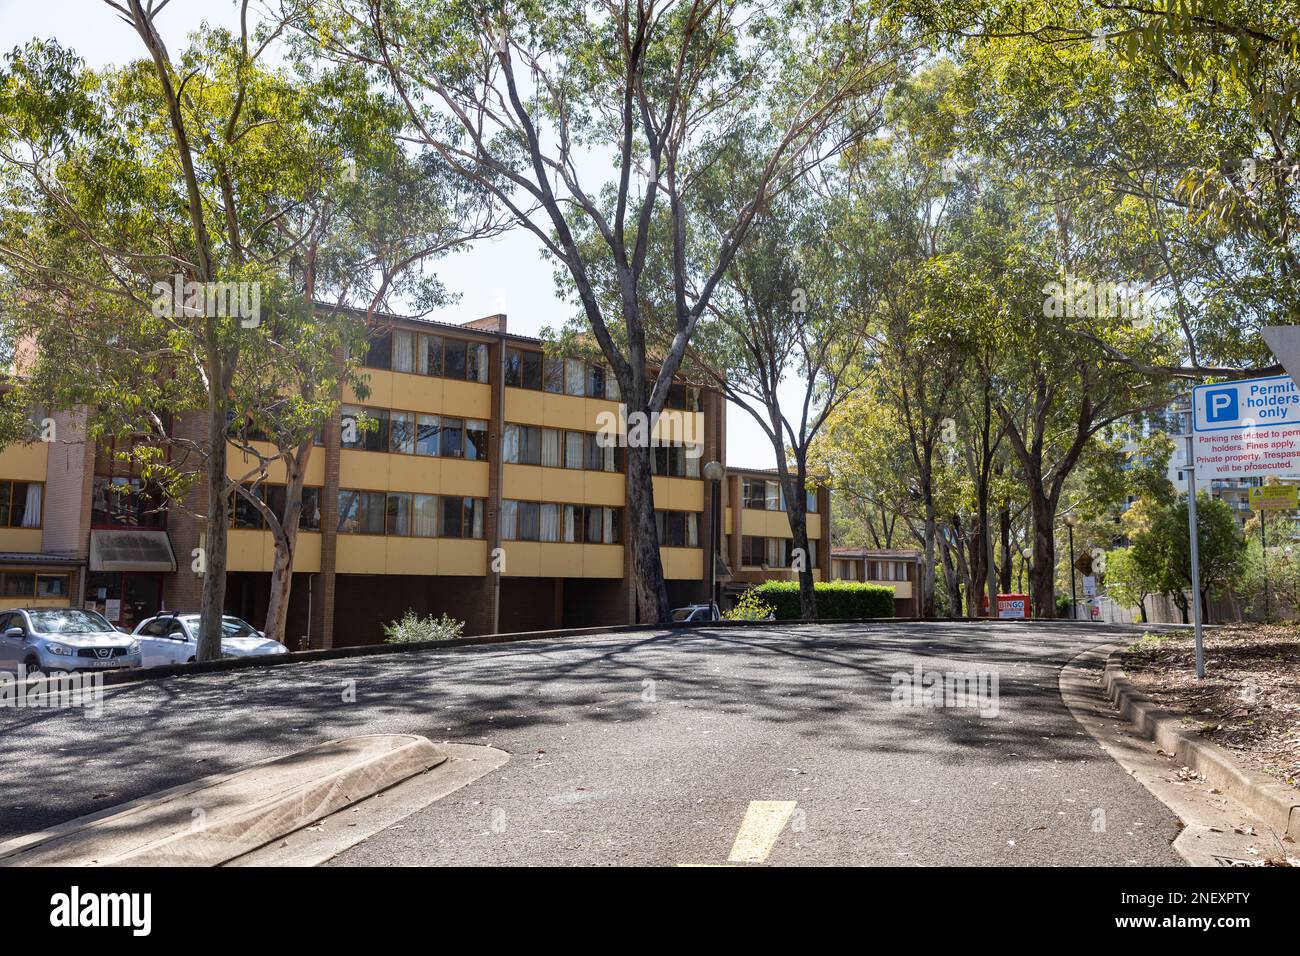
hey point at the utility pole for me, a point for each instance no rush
(1074, 601)
(1263, 554)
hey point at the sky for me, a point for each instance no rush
(506, 274)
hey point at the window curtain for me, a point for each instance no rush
(426, 516)
(692, 529)
(551, 447)
(693, 461)
(510, 520)
(569, 523)
(550, 522)
(32, 513)
(476, 506)
(403, 351)
(575, 377)
(773, 496)
(611, 529)
(573, 449)
(611, 387)
(510, 444)
(478, 362)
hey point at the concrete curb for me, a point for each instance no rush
(1275, 803)
(112, 678)
(222, 817)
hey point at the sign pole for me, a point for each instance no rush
(1193, 532)
(1263, 555)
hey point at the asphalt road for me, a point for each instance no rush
(651, 748)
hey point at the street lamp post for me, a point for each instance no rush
(713, 474)
(1074, 601)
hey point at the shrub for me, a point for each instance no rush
(835, 599)
(750, 607)
(413, 629)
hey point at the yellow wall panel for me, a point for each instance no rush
(683, 564)
(21, 539)
(521, 482)
(466, 478)
(366, 470)
(523, 559)
(416, 473)
(523, 406)
(306, 559)
(247, 550)
(411, 556)
(463, 558)
(562, 484)
(814, 526)
(24, 462)
(466, 399)
(604, 488)
(7, 604)
(361, 554)
(565, 411)
(381, 389)
(561, 560)
(417, 393)
(602, 561)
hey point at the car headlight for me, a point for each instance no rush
(58, 649)
(133, 647)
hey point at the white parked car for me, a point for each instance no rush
(696, 614)
(62, 639)
(172, 638)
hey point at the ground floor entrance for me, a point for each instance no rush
(124, 597)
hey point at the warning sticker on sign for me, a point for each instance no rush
(1248, 452)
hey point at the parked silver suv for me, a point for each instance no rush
(63, 639)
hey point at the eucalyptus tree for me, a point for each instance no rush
(165, 224)
(590, 119)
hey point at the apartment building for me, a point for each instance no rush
(468, 481)
(896, 568)
(758, 543)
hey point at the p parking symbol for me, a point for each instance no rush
(1221, 405)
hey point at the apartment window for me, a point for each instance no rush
(476, 440)
(246, 514)
(455, 358)
(476, 362)
(753, 551)
(524, 368)
(462, 517)
(365, 429)
(20, 504)
(453, 438)
(398, 514)
(678, 529)
(115, 503)
(549, 526)
(403, 351)
(575, 377)
(595, 381)
(773, 489)
(573, 450)
(380, 353)
(401, 431)
(778, 552)
(424, 516)
(553, 374)
(430, 355)
(309, 517)
(552, 448)
(18, 584)
(52, 585)
(427, 434)
(361, 512)
(676, 461)
(598, 457)
(683, 397)
(522, 445)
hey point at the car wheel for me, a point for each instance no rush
(33, 668)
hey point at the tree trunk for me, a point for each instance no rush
(1042, 576)
(927, 571)
(1004, 520)
(796, 512)
(648, 569)
(1142, 610)
(286, 544)
(218, 517)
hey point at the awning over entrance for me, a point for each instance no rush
(131, 550)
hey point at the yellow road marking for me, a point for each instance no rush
(763, 823)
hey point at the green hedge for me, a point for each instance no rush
(835, 599)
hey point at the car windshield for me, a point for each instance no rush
(69, 621)
(683, 613)
(230, 627)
